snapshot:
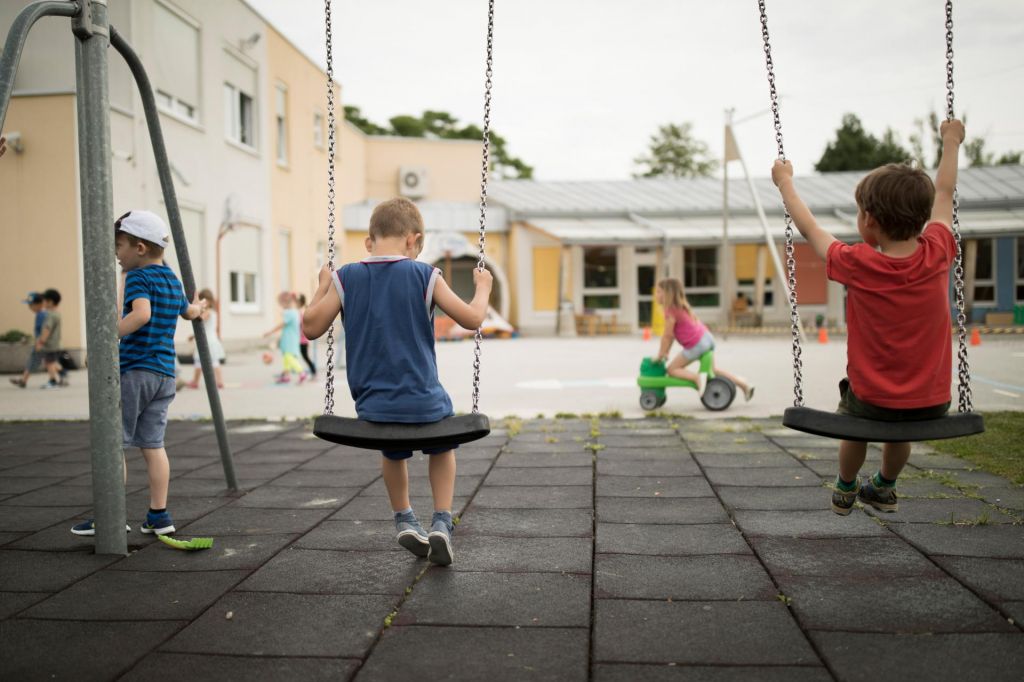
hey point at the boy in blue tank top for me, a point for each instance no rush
(386, 302)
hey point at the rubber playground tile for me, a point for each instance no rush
(920, 604)
(667, 540)
(295, 497)
(1014, 609)
(7, 538)
(209, 487)
(535, 497)
(229, 552)
(352, 535)
(183, 508)
(243, 469)
(48, 469)
(527, 523)
(993, 657)
(681, 578)
(347, 478)
(671, 510)
(76, 650)
(443, 597)
(516, 459)
(317, 571)
(1008, 498)
(59, 538)
(547, 448)
(641, 440)
(957, 510)
(130, 595)
(682, 466)
(378, 508)
(996, 541)
(171, 667)
(737, 446)
(617, 454)
(763, 476)
(366, 460)
(721, 633)
(479, 653)
(685, 673)
(775, 498)
(994, 579)
(25, 571)
(549, 555)
(807, 524)
(759, 460)
(52, 496)
(541, 476)
(653, 486)
(881, 557)
(241, 521)
(13, 602)
(272, 624)
(17, 485)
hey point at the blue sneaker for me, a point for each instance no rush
(440, 539)
(411, 534)
(160, 524)
(89, 528)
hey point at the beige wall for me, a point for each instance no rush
(39, 214)
(453, 166)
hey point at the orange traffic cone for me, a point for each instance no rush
(975, 337)
(647, 333)
(823, 335)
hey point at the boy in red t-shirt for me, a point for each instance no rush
(899, 350)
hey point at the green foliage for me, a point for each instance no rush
(14, 336)
(999, 450)
(856, 149)
(674, 152)
(974, 146)
(442, 125)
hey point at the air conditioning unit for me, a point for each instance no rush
(412, 181)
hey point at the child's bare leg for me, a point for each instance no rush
(677, 369)
(159, 476)
(894, 458)
(52, 369)
(396, 480)
(442, 480)
(218, 376)
(851, 459)
(742, 383)
(197, 375)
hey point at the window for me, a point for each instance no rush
(282, 124)
(175, 63)
(1020, 270)
(985, 272)
(601, 278)
(243, 287)
(241, 254)
(318, 130)
(238, 109)
(700, 276)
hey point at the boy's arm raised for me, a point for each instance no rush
(819, 239)
(323, 308)
(952, 133)
(467, 315)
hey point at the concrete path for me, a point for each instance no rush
(610, 550)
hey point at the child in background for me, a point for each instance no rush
(303, 340)
(49, 339)
(209, 317)
(34, 301)
(288, 342)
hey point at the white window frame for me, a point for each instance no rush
(716, 289)
(244, 305)
(600, 291)
(281, 124)
(988, 281)
(233, 117)
(284, 259)
(318, 129)
(175, 107)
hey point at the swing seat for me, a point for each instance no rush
(394, 436)
(845, 427)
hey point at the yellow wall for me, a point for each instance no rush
(453, 166)
(546, 261)
(350, 179)
(746, 261)
(39, 214)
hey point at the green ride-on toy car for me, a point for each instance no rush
(653, 380)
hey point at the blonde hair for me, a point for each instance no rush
(675, 294)
(396, 217)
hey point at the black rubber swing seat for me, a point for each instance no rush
(394, 436)
(845, 427)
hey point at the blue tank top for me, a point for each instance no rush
(388, 314)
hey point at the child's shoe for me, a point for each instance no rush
(842, 500)
(302, 378)
(411, 534)
(51, 384)
(161, 523)
(881, 497)
(441, 540)
(89, 528)
(193, 384)
(748, 393)
(283, 379)
(19, 383)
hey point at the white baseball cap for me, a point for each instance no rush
(145, 225)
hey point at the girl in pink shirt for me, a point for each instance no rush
(683, 326)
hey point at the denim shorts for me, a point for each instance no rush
(855, 407)
(706, 343)
(406, 454)
(35, 357)
(145, 397)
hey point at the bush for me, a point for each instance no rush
(14, 336)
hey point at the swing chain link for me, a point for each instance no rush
(329, 378)
(794, 312)
(484, 172)
(964, 371)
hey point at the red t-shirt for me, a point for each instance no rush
(899, 348)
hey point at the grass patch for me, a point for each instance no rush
(999, 450)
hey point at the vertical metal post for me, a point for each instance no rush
(105, 430)
(727, 276)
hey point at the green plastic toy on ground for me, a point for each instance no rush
(194, 543)
(719, 392)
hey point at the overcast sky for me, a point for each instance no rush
(580, 85)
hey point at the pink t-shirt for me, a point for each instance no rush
(688, 329)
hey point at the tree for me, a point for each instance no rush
(675, 152)
(974, 146)
(856, 149)
(442, 125)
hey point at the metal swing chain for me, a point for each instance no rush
(329, 380)
(794, 313)
(964, 371)
(484, 172)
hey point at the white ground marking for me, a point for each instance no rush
(1006, 393)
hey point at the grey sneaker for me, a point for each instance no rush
(411, 534)
(440, 539)
(881, 498)
(842, 501)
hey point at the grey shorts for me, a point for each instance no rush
(706, 343)
(145, 397)
(35, 358)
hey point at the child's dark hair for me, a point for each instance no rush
(899, 198)
(152, 250)
(52, 295)
(208, 296)
(301, 300)
(395, 218)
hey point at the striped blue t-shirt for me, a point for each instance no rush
(151, 347)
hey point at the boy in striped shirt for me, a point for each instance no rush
(153, 300)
